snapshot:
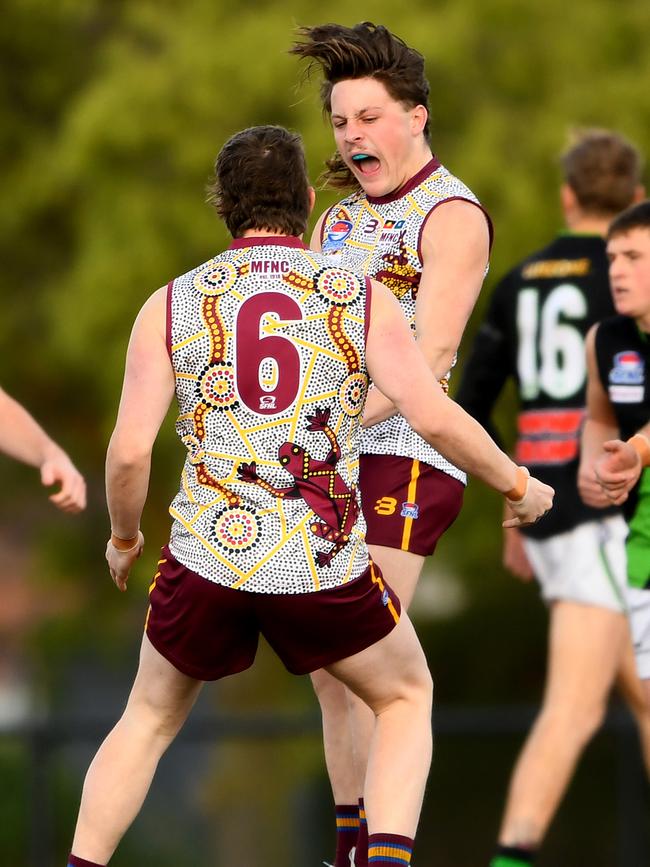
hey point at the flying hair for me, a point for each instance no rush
(366, 50)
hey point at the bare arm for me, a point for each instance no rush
(22, 438)
(146, 395)
(455, 249)
(600, 426)
(403, 375)
(315, 242)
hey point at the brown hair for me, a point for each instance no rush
(364, 51)
(603, 169)
(636, 217)
(260, 182)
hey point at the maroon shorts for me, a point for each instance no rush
(208, 631)
(407, 504)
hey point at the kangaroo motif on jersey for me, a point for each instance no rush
(318, 484)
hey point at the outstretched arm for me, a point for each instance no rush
(146, 394)
(402, 373)
(22, 438)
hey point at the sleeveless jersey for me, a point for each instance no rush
(267, 342)
(380, 237)
(534, 331)
(623, 359)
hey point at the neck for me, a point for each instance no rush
(419, 160)
(643, 324)
(264, 233)
(589, 225)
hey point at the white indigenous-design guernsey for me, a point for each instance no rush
(380, 237)
(267, 342)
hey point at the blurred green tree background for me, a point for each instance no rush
(111, 115)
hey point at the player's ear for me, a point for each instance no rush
(419, 116)
(568, 199)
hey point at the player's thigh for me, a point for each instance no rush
(401, 569)
(393, 668)
(160, 689)
(586, 643)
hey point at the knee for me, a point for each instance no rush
(158, 720)
(416, 689)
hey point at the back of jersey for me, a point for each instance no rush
(268, 348)
(535, 330)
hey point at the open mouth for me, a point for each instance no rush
(365, 163)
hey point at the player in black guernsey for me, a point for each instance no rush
(534, 332)
(618, 405)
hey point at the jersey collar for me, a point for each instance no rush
(268, 240)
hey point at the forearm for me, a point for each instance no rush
(127, 483)
(594, 435)
(462, 440)
(378, 408)
(21, 437)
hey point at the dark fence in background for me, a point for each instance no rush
(45, 738)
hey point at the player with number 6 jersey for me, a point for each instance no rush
(260, 317)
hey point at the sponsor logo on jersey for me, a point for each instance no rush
(385, 597)
(385, 506)
(391, 228)
(626, 393)
(410, 510)
(549, 268)
(267, 401)
(628, 369)
(336, 235)
(270, 267)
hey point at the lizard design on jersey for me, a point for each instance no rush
(318, 484)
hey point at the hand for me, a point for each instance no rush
(535, 503)
(57, 467)
(618, 470)
(590, 489)
(120, 562)
(514, 556)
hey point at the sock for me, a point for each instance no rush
(512, 856)
(347, 830)
(361, 852)
(389, 850)
(75, 861)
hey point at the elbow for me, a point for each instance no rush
(127, 453)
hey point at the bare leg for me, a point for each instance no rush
(343, 767)
(119, 776)
(393, 679)
(348, 723)
(585, 648)
(633, 690)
